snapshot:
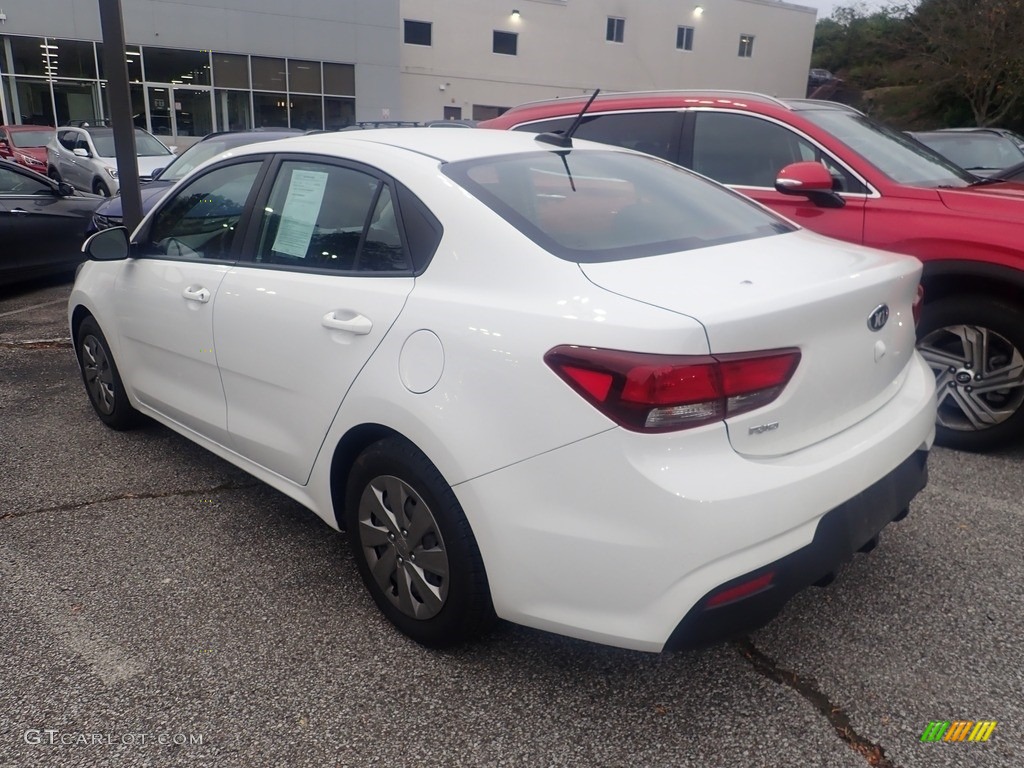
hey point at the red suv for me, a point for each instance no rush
(26, 145)
(833, 170)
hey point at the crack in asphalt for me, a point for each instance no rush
(61, 343)
(808, 689)
(125, 496)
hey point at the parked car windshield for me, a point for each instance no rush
(593, 206)
(975, 151)
(145, 144)
(195, 156)
(29, 139)
(896, 155)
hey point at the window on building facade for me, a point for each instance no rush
(746, 46)
(268, 74)
(505, 42)
(616, 28)
(417, 32)
(339, 79)
(684, 38)
(304, 76)
(170, 65)
(231, 70)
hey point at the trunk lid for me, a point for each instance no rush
(794, 290)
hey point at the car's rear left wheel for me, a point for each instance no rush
(975, 346)
(413, 546)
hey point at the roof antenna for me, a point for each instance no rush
(565, 139)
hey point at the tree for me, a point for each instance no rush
(974, 49)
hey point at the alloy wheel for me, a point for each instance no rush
(979, 376)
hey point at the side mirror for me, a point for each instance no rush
(156, 174)
(108, 245)
(64, 189)
(811, 180)
(79, 152)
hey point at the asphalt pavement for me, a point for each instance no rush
(159, 607)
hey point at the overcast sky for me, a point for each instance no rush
(825, 7)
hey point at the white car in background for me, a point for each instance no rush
(84, 157)
(571, 386)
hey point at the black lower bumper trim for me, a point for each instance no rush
(851, 526)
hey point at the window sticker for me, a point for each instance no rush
(301, 208)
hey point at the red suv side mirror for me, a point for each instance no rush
(811, 180)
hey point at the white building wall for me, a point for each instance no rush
(562, 50)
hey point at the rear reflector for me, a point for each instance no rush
(740, 591)
(661, 393)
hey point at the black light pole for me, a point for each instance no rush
(116, 67)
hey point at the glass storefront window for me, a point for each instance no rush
(339, 113)
(268, 74)
(307, 112)
(132, 57)
(75, 101)
(339, 79)
(73, 58)
(230, 70)
(34, 106)
(27, 53)
(303, 76)
(270, 110)
(193, 115)
(170, 65)
(233, 113)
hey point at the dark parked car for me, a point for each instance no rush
(42, 224)
(110, 213)
(982, 151)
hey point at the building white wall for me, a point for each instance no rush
(360, 32)
(562, 50)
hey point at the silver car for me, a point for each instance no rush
(84, 157)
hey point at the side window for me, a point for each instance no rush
(67, 139)
(652, 132)
(199, 222)
(323, 216)
(744, 150)
(14, 183)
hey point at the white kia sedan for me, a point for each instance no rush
(574, 387)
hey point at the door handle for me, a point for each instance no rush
(346, 320)
(192, 293)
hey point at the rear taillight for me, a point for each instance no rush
(915, 308)
(662, 393)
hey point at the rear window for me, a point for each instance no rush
(594, 206)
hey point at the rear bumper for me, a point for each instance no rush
(852, 526)
(620, 537)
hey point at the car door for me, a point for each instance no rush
(166, 294)
(40, 230)
(67, 162)
(329, 275)
(746, 152)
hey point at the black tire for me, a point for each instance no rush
(99, 187)
(443, 599)
(101, 378)
(974, 344)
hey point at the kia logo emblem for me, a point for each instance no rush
(878, 317)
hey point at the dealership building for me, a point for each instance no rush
(196, 66)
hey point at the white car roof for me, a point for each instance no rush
(446, 146)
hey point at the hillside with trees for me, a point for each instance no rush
(937, 63)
